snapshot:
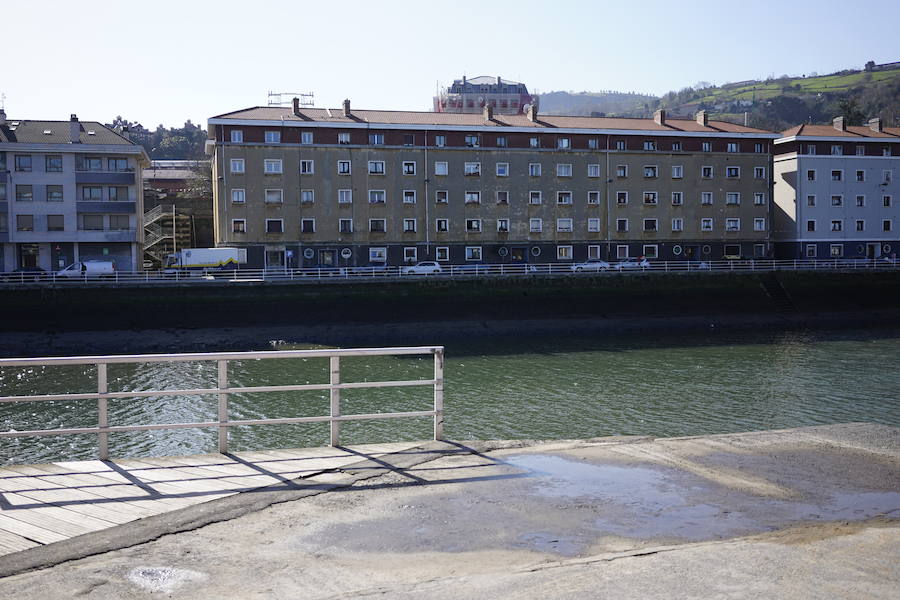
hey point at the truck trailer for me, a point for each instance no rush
(203, 260)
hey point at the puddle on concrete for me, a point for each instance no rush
(163, 579)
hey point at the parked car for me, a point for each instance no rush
(422, 268)
(631, 263)
(26, 274)
(592, 264)
(89, 269)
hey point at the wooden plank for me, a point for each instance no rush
(29, 531)
(113, 517)
(58, 512)
(41, 518)
(73, 497)
(10, 542)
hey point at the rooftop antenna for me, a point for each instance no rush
(278, 98)
(2, 100)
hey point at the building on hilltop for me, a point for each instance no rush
(835, 192)
(473, 95)
(309, 187)
(69, 191)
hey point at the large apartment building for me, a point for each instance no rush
(304, 187)
(69, 191)
(835, 192)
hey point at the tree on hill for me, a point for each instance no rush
(849, 109)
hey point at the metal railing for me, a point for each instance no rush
(223, 390)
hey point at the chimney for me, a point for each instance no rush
(702, 118)
(2, 117)
(532, 112)
(347, 107)
(874, 124)
(488, 112)
(296, 104)
(659, 117)
(839, 123)
(498, 80)
(746, 119)
(74, 130)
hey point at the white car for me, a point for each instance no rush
(631, 263)
(422, 268)
(593, 264)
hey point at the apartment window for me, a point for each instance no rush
(237, 165)
(706, 172)
(377, 225)
(307, 225)
(759, 172)
(811, 200)
(732, 224)
(758, 148)
(887, 176)
(472, 169)
(564, 225)
(677, 198)
(473, 141)
(376, 167)
(272, 166)
(307, 167)
(837, 200)
(345, 196)
(534, 197)
(886, 151)
(651, 171)
(622, 171)
(650, 224)
(837, 225)
(343, 167)
(677, 171)
(810, 225)
(622, 251)
(621, 197)
(274, 226)
(92, 193)
(26, 222)
(473, 252)
(860, 225)
(860, 201)
(53, 164)
(563, 170)
(678, 224)
(442, 253)
(238, 196)
(441, 196)
(593, 170)
(410, 254)
(409, 196)
(534, 169)
(345, 225)
(593, 225)
(706, 146)
(811, 175)
(860, 150)
(650, 198)
(886, 200)
(886, 225)
(621, 145)
(593, 144)
(676, 146)
(503, 197)
(593, 197)
(274, 196)
(442, 225)
(473, 225)
(91, 222)
(563, 143)
(55, 193)
(622, 225)
(57, 222)
(837, 150)
(534, 142)
(706, 224)
(23, 164)
(706, 198)
(810, 251)
(732, 172)
(377, 254)
(376, 139)
(593, 252)
(307, 196)
(440, 168)
(649, 145)
(564, 253)
(732, 147)
(473, 198)
(837, 175)
(92, 164)
(376, 196)
(409, 167)
(501, 141)
(440, 141)
(237, 136)
(860, 175)
(759, 198)
(238, 225)
(836, 250)
(502, 225)
(409, 225)
(535, 225)
(118, 193)
(502, 169)
(273, 137)
(343, 138)
(564, 197)
(811, 149)
(733, 198)
(409, 139)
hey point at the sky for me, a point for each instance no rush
(164, 61)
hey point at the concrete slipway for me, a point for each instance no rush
(803, 513)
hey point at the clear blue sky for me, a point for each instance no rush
(165, 61)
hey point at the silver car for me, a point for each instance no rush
(593, 264)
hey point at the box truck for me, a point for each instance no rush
(204, 260)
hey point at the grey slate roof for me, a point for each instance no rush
(32, 132)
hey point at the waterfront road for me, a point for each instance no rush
(802, 513)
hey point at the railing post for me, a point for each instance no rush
(439, 394)
(223, 405)
(335, 379)
(102, 411)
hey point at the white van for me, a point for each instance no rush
(88, 269)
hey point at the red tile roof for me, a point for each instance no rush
(853, 131)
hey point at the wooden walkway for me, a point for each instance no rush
(42, 504)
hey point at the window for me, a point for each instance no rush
(534, 197)
(678, 224)
(91, 222)
(622, 225)
(759, 172)
(238, 196)
(307, 196)
(92, 164)
(860, 225)
(442, 253)
(886, 225)
(377, 225)
(837, 200)
(472, 169)
(887, 176)
(811, 175)
(886, 151)
(650, 224)
(307, 167)
(564, 225)
(860, 150)
(473, 225)
(376, 167)
(677, 171)
(118, 193)
(409, 225)
(706, 172)
(376, 139)
(237, 136)
(472, 141)
(53, 164)
(502, 169)
(759, 198)
(502, 197)
(732, 224)
(119, 222)
(273, 137)
(409, 139)
(649, 145)
(55, 193)
(706, 146)
(733, 198)
(345, 196)
(440, 196)
(534, 142)
(377, 254)
(442, 225)
(677, 198)
(237, 165)
(650, 198)
(535, 225)
(473, 252)
(651, 251)
(593, 170)
(650, 171)
(676, 146)
(440, 168)
(837, 225)
(621, 197)
(811, 149)
(501, 141)
(376, 196)
(563, 143)
(706, 198)
(57, 222)
(274, 226)
(92, 193)
(810, 251)
(502, 225)
(706, 224)
(345, 225)
(811, 200)
(758, 148)
(440, 141)
(732, 172)
(307, 225)
(564, 197)
(563, 170)
(564, 253)
(621, 145)
(409, 167)
(409, 196)
(534, 169)
(622, 251)
(810, 225)
(26, 222)
(860, 201)
(2, 194)
(886, 200)
(473, 198)
(860, 175)
(593, 225)
(274, 196)
(343, 138)
(837, 175)
(593, 252)
(23, 164)
(410, 254)
(732, 147)
(343, 167)
(273, 166)
(837, 150)
(836, 250)
(622, 171)
(593, 197)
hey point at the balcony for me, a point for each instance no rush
(105, 177)
(117, 208)
(107, 235)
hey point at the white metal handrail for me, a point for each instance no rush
(223, 390)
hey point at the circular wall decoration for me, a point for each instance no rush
(706, 249)
(308, 253)
(861, 249)
(886, 248)
(503, 251)
(346, 253)
(535, 251)
(676, 250)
